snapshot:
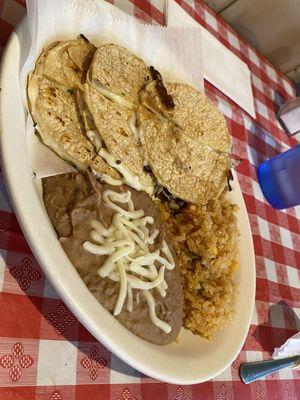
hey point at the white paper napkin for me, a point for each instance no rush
(221, 67)
(290, 348)
(175, 52)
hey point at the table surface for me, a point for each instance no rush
(45, 353)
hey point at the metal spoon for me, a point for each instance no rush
(250, 372)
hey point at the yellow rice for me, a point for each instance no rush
(205, 241)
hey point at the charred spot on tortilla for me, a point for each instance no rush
(229, 178)
(162, 92)
(175, 203)
(84, 38)
(156, 75)
(147, 169)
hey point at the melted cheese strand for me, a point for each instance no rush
(165, 263)
(108, 265)
(153, 271)
(142, 222)
(161, 290)
(95, 249)
(137, 297)
(145, 272)
(146, 220)
(95, 84)
(121, 198)
(134, 227)
(153, 236)
(95, 138)
(129, 298)
(133, 127)
(123, 288)
(156, 321)
(165, 249)
(130, 205)
(100, 228)
(131, 234)
(137, 283)
(107, 248)
(128, 178)
(108, 179)
(145, 260)
(97, 237)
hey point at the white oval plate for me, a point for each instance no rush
(194, 359)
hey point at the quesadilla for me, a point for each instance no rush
(67, 62)
(118, 74)
(53, 105)
(187, 146)
(111, 94)
(123, 151)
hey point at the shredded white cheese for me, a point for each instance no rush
(129, 298)
(128, 178)
(130, 262)
(156, 321)
(123, 288)
(107, 179)
(153, 236)
(95, 138)
(120, 100)
(134, 129)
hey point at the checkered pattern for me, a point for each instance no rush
(45, 353)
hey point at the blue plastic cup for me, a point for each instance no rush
(279, 179)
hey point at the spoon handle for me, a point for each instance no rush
(250, 372)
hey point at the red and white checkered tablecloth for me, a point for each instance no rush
(45, 353)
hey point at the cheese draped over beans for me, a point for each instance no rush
(129, 261)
